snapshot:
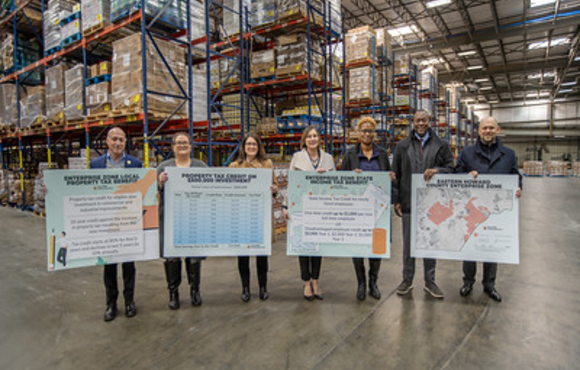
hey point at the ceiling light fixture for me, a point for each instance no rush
(401, 31)
(486, 88)
(532, 95)
(466, 53)
(481, 80)
(572, 83)
(565, 91)
(539, 75)
(534, 3)
(552, 43)
(493, 101)
(436, 3)
(473, 68)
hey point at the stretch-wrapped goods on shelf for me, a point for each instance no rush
(292, 57)
(233, 116)
(95, 13)
(384, 42)
(360, 84)
(231, 19)
(263, 63)
(263, 12)
(292, 8)
(35, 108)
(74, 100)
(98, 98)
(55, 92)
(56, 10)
(127, 79)
(199, 79)
(360, 44)
(576, 169)
(70, 29)
(174, 14)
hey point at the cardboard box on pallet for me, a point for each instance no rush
(35, 108)
(576, 169)
(99, 69)
(290, 9)
(404, 65)
(96, 14)
(98, 98)
(56, 9)
(70, 29)
(292, 57)
(558, 168)
(231, 19)
(199, 79)
(55, 92)
(384, 43)
(360, 44)
(360, 84)
(8, 103)
(263, 63)
(534, 168)
(74, 98)
(127, 81)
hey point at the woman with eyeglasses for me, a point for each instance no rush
(181, 145)
(367, 156)
(252, 154)
(310, 158)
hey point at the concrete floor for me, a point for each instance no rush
(54, 320)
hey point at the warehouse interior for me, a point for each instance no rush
(217, 69)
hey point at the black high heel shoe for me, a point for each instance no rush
(308, 297)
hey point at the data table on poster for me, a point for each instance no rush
(218, 218)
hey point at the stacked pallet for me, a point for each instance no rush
(576, 169)
(34, 112)
(96, 15)
(55, 93)
(74, 80)
(56, 9)
(292, 56)
(534, 168)
(558, 168)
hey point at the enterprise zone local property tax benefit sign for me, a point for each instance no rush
(339, 214)
(458, 217)
(96, 217)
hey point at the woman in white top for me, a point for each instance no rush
(311, 158)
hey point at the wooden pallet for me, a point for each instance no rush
(264, 26)
(359, 61)
(75, 122)
(291, 71)
(98, 116)
(292, 14)
(97, 27)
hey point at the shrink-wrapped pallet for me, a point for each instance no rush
(74, 99)
(263, 63)
(127, 77)
(292, 56)
(98, 98)
(55, 92)
(231, 19)
(360, 84)
(360, 44)
(264, 12)
(534, 168)
(35, 107)
(96, 14)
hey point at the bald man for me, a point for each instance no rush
(488, 156)
(113, 159)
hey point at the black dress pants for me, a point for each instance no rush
(309, 267)
(244, 269)
(110, 278)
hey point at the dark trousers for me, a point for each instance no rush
(310, 267)
(244, 269)
(110, 277)
(489, 273)
(61, 256)
(173, 273)
(359, 269)
(408, 261)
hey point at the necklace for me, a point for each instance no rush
(315, 161)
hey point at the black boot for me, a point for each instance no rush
(359, 269)
(262, 263)
(173, 276)
(375, 265)
(246, 296)
(194, 278)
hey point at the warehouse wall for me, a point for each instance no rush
(527, 129)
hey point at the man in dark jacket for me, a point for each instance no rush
(488, 155)
(421, 152)
(117, 158)
(367, 156)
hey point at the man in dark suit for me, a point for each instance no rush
(421, 152)
(488, 155)
(117, 158)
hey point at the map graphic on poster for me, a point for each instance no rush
(97, 217)
(339, 214)
(459, 217)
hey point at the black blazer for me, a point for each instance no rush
(350, 161)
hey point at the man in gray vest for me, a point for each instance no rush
(421, 152)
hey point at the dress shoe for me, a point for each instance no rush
(433, 289)
(174, 300)
(405, 287)
(263, 293)
(110, 313)
(195, 298)
(374, 291)
(246, 296)
(493, 294)
(308, 297)
(130, 309)
(361, 292)
(465, 290)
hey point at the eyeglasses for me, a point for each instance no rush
(252, 144)
(367, 132)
